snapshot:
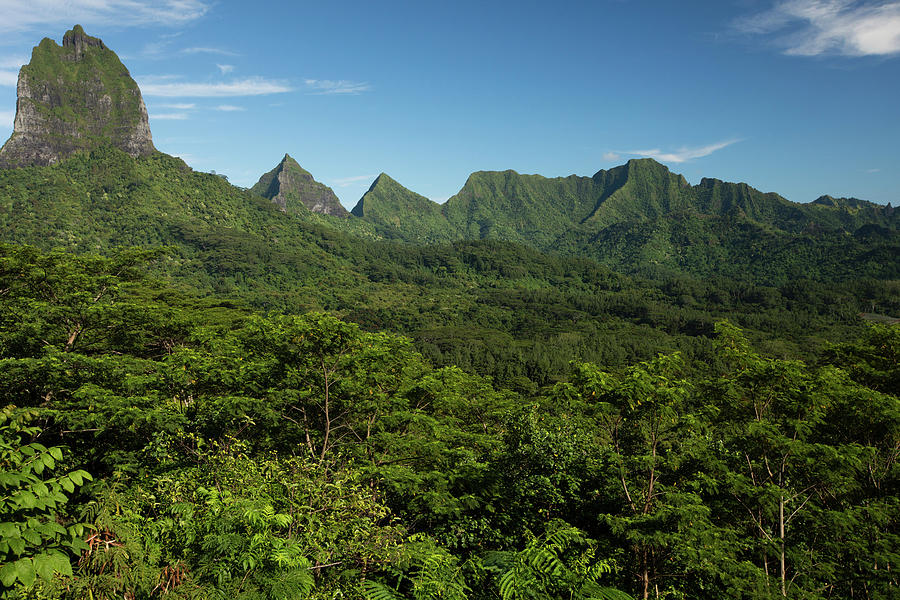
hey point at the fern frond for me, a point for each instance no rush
(373, 590)
(606, 593)
(297, 583)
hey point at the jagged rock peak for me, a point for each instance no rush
(78, 40)
(74, 97)
(294, 189)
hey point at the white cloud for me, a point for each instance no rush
(161, 78)
(12, 62)
(814, 27)
(326, 87)
(179, 106)
(225, 69)
(251, 86)
(611, 156)
(9, 78)
(209, 50)
(156, 49)
(170, 117)
(6, 119)
(873, 170)
(349, 181)
(9, 69)
(683, 154)
(229, 108)
(41, 14)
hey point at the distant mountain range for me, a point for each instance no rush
(637, 217)
(78, 103)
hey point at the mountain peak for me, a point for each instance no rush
(394, 209)
(73, 97)
(78, 40)
(383, 179)
(294, 189)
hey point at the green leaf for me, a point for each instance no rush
(373, 590)
(32, 537)
(43, 566)
(61, 563)
(48, 460)
(24, 570)
(8, 529)
(17, 545)
(8, 574)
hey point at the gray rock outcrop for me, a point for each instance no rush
(292, 188)
(73, 97)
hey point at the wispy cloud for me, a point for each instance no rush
(179, 106)
(225, 69)
(40, 14)
(9, 78)
(349, 181)
(12, 62)
(6, 119)
(229, 108)
(209, 50)
(611, 156)
(684, 153)
(873, 170)
(157, 49)
(169, 116)
(250, 86)
(9, 69)
(815, 27)
(321, 87)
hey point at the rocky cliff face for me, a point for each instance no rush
(73, 97)
(292, 188)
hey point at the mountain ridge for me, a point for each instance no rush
(639, 217)
(641, 189)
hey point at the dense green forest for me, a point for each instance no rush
(260, 404)
(493, 307)
(159, 443)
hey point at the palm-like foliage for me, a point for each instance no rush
(562, 563)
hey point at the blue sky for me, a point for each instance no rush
(801, 97)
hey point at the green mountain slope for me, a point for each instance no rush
(294, 189)
(399, 213)
(528, 209)
(222, 237)
(642, 218)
